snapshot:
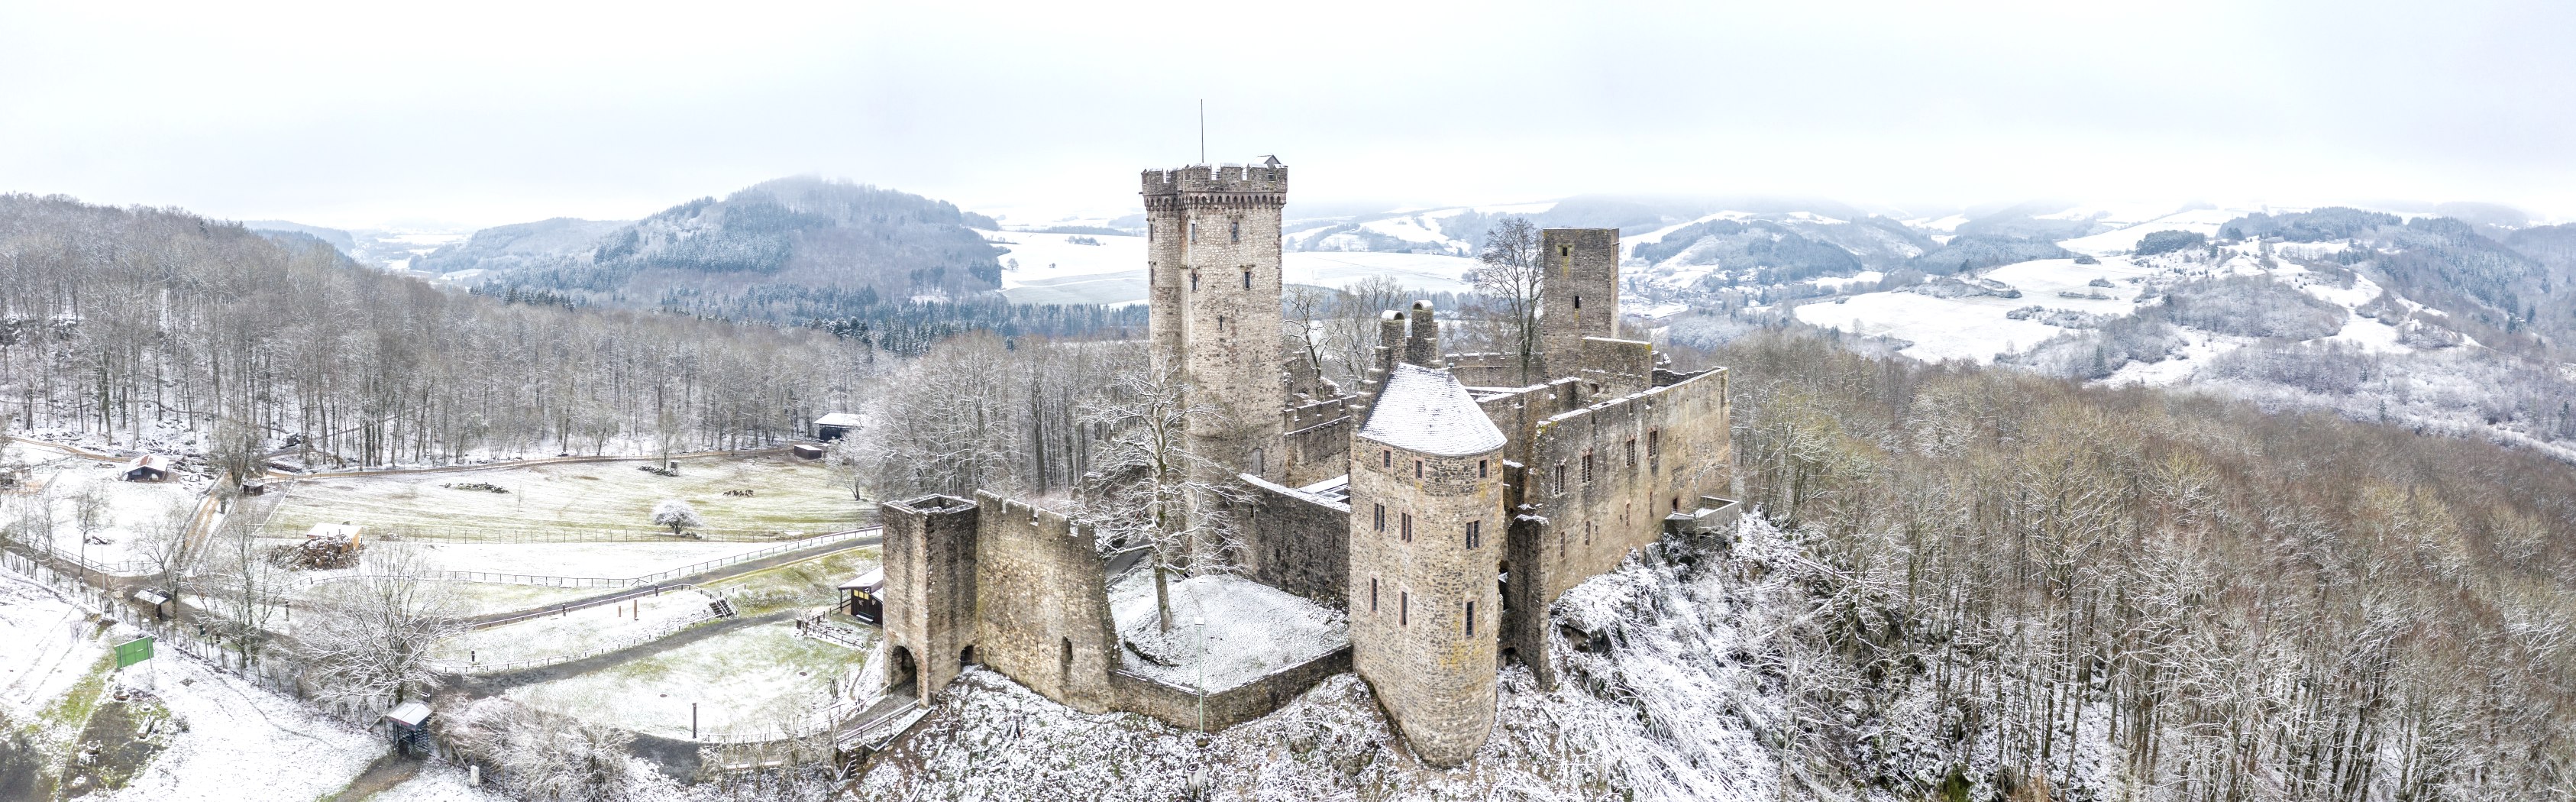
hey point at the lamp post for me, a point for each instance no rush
(1200, 622)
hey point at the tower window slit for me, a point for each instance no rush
(1471, 618)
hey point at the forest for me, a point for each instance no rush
(2235, 604)
(125, 322)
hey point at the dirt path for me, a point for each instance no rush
(391, 770)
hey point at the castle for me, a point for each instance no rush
(1441, 507)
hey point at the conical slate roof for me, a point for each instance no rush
(1428, 411)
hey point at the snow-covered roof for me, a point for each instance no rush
(152, 461)
(837, 419)
(338, 530)
(1428, 411)
(409, 714)
(873, 579)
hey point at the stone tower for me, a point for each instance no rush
(929, 592)
(1212, 258)
(1426, 542)
(1578, 296)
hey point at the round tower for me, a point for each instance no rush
(1212, 263)
(1426, 542)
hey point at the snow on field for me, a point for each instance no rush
(790, 498)
(2125, 239)
(1055, 269)
(1416, 271)
(46, 646)
(132, 508)
(611, 559)
(437, 782)
(1978, 327)
(1973, 329)
(1252, 630)
(1862, 277)
(241, 742)
(576, 631)
(751, 679)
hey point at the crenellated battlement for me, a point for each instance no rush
(1223, 184)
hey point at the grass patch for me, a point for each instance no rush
(805, 583)
(753, 678)
(73, 710)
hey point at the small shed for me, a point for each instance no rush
(807, 451)
(866, 597)
(835, 426)
(410, 723)
(155, 599)
(148, 468)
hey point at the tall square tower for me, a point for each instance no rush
(1212, 257)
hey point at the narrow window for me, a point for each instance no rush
(1472, 526)
(1480, 469)
(1194, 233)
(1247, 279)
(1677, 504)
(1386, 459)
(1565, 250)
(1417, 469)
(1578, 302)
(1259, 463)
(1194, 281)
(1372, 594)
(1067, 660)
(1654, 442)
(1587, 467)
(1404, 609)
(1587, 533)
(1632, 452)
(1564, 538)
(1234, 230)
(1560, 477)
(1471, 618)
(1381, 516)
(1407, 525)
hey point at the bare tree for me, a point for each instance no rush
(1152, 490)
(1355, 332)
(541, 754)
(247, 582)
(371, 636)
(167, 541)
(1509, 280)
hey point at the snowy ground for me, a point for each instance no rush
(609, 560)
(1252, 630)
(745, 681)
(576, 631)
(131, 507)
(790, 498)
(232, 741)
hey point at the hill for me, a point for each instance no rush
(792, 249)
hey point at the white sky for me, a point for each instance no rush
(355, 114)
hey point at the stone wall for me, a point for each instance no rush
(1518, 412)
(930, 592)
(1212, 260)
(1617, 367)
(1317, 445)
(1180, 707)
(1297, 542)
(1652, 453)
(1043, 599)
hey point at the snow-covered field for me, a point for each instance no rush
(789, 498)
(609, 560)
(1251, 630)
(129, 508)
(744, 681)
(575, 631)
(1051, 270)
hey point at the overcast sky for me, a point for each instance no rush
(354, 115)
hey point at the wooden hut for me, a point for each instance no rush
(835, 426)
(866, 600)
(148, 468)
